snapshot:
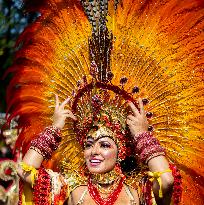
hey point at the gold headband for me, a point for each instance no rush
(102, 132)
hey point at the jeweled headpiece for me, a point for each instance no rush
(102, 104)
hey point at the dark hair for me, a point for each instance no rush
(130, 164)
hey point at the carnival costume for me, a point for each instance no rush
(103, 54)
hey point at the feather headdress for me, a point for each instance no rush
(157, 45)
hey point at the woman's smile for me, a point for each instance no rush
(95, 162)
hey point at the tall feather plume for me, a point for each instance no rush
(157, 45)
(100, 43)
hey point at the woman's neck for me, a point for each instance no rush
(105, 179)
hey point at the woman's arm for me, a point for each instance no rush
(148, 146)
(31, 158)
(160, 164)
(35, 158)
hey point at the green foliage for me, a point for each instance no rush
(13, 20)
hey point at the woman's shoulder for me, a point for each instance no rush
(79, 189)
(77, 194)
(75, 181)
(132, 192)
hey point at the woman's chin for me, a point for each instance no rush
(98, 170)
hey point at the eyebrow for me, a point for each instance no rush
(91, 139)
(100, 137)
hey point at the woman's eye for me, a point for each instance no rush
(87, 145)
(105, 145)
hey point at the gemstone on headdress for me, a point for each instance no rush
(85, 80)
(110, 76)
(106, 96)
(96, 98)
(123, 80)
(149, 114)
(150, 128)
(145, 101)
(78, 83)
(96, 103)
(135, 89)
(93, 69)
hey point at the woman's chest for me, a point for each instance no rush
(84, 198)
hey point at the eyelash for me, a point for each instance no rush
(87, 145)
(103, 145)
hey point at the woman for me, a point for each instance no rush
(103, 54)
(101, 156)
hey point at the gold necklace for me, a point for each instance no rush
(111, 179)
(105, 178)
(110, 189)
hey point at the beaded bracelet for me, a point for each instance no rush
(47, 142)
(148, 147)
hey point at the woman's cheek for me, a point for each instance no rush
(87, 154)
(110, 154)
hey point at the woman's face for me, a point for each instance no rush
(100, 153)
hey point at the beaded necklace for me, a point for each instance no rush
(111, 199)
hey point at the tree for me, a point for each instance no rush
(13, 20)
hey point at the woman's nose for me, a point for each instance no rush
(95, 150)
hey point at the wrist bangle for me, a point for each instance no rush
(47, 142)
(148, 147)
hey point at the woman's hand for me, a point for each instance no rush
(60, 113)
(137, 122)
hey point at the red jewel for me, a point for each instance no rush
(108, 124)
(117, 126)
(94, 193)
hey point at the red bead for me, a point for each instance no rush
(94, 193)
(42, 187)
